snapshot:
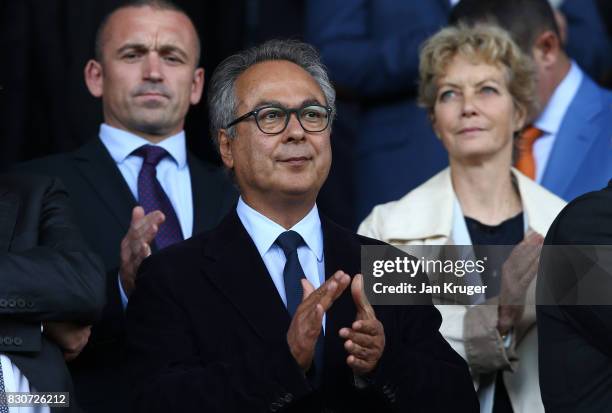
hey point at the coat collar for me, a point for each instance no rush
(428, 210)
(577, 133)
(97, 167)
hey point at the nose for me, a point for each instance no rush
(294, 131)
(469, 105)
(152, 69)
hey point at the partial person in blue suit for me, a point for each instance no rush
(383, 140)
(372, 51)
(573, 155)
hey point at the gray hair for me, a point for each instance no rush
(222, 101)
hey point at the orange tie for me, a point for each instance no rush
(525, 161)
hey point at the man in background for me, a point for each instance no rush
(135, 188)
(51, 289)
(567, 146)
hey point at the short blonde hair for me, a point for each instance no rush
(479, 43)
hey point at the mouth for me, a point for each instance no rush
(152, 95)
(470, 130)
(296, 160)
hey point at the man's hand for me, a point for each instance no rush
(518, 271)
(365, 340)
(305, 326)
(136, 245)
(70, 337)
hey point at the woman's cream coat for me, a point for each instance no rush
(425, 216)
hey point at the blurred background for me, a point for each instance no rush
(45, 107)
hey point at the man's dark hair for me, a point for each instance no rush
(525, 20)
(154, 4)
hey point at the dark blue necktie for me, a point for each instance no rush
(289, 241)
(152, 196)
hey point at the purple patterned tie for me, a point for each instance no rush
(151, 195)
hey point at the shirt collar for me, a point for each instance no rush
(264, 231)
(121, 144)
(550, 120)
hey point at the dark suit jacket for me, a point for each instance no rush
(371, 48)
(103, 205)
(575, 341)
(46, 273)
(207, 332)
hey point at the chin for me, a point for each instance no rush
(156, 127)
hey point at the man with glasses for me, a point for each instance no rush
(267, 312)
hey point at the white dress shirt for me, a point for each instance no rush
(264, 232)
(551, 118)
(15, 381)
(172, 173)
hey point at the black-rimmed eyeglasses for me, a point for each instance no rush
(273, 120)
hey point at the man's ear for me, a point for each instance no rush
(94, 78)
(225, 148)
(197, 86)
(547, 48)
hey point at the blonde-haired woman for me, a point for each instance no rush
(479, 90)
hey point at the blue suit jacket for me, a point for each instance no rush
(371, 48)
(581, 157)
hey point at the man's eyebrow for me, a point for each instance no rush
(140, 47)
(164, 49)
(269, 102)
(173, 49)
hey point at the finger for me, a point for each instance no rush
(313, 323)
(145, 251)
(332, 289)
(137, 214)
(532, 238)
(360, 352)
(155, 217)
(364, 309)
(152, 220)
(357, 365)
(307, 288)
(361, 339)
(325, 288)
(369, 327)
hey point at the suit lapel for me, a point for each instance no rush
(100, 171)
(342, 252)
(246, 283)
(207, 193)
(9, 205)
(574, 139)
(233, 264)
